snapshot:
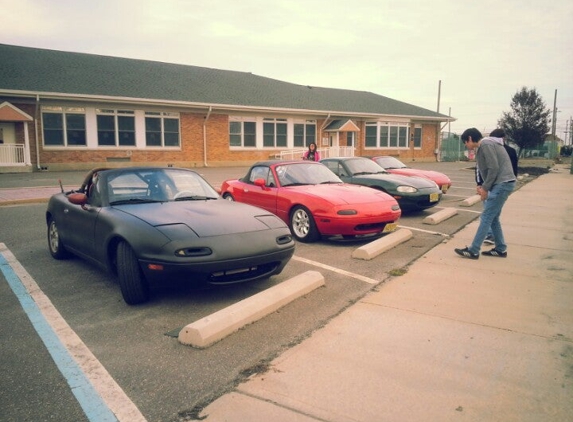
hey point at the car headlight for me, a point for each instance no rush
(347, 212)
(407, 189)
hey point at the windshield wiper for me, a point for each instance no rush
(328, 182)
(296, 184)
(360, 173)
(194, 198)
(135, 201)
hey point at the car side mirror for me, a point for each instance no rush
(260, 182)
(78, 198)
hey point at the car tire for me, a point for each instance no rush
(302, 225)
(55, 244)
(228, 197)
(134, 287)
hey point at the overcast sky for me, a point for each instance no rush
(482, 51)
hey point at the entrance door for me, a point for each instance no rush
(7, 133)
(334, 143)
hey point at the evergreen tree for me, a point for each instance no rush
(527, 123)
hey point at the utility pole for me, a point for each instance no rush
(553, 126)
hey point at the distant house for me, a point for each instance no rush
(73, 111)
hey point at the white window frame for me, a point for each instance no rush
(242, 121)
(389, 131)
(162, 116)
(116, 114)
(65, 112)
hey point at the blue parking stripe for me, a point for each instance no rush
(94, 407)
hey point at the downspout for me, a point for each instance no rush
(319, 141)
(38, 166)
(205, 137)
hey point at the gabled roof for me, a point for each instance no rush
(9, 113)
(51, 73)
(342, 125)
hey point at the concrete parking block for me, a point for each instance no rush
(440, 216)
(214, 327)
(373, 249)
(472, 200)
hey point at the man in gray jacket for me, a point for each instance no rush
(496, 172)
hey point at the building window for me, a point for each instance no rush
(242, 134)
(370, 136)
(64, 126)
(350, 139)
(275, 133)
(417, 137)
(304, 133)
(115, 128)
(161, 129)
(386, 135)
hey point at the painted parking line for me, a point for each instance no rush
(100, 397)
(425, 231)
(336, 270)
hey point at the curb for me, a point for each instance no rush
(212, 328)
(440, 216)
(373, 249)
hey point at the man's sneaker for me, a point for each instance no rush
(495, 252)
(465, 252)
(489, 240)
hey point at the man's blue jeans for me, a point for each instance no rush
(490, 217)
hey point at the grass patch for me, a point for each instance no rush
(398, 272)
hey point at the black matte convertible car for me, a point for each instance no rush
(148, 224)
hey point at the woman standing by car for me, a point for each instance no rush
(312, 153)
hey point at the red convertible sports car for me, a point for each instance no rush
(154, 223)
(393, 165)
(313, 201)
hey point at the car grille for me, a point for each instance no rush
(242, 274)
(370, 227)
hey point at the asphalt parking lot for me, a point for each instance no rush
(165, 380)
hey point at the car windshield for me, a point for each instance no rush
(358, 166)
(389, 162)
(157, 185)
(305, 174)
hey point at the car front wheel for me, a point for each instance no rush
(228, 196)
(134, 287)
(57, 248)
(302, 225)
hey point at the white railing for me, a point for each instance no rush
(296, 154)
(12, 155)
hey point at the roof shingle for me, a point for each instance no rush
(45, 71)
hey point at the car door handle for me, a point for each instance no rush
(66, 210)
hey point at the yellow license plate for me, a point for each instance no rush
(390, 227)
(434, 197)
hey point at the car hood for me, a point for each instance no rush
(417, 182)
(206, 218)
(422, 173)
(344, 194)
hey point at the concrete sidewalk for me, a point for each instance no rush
(453, 339)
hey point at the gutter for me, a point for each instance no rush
(205, 136)
(223, 107)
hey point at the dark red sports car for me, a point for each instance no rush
(313, 201)
(393, 165)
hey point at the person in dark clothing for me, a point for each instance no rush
(499, 133)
